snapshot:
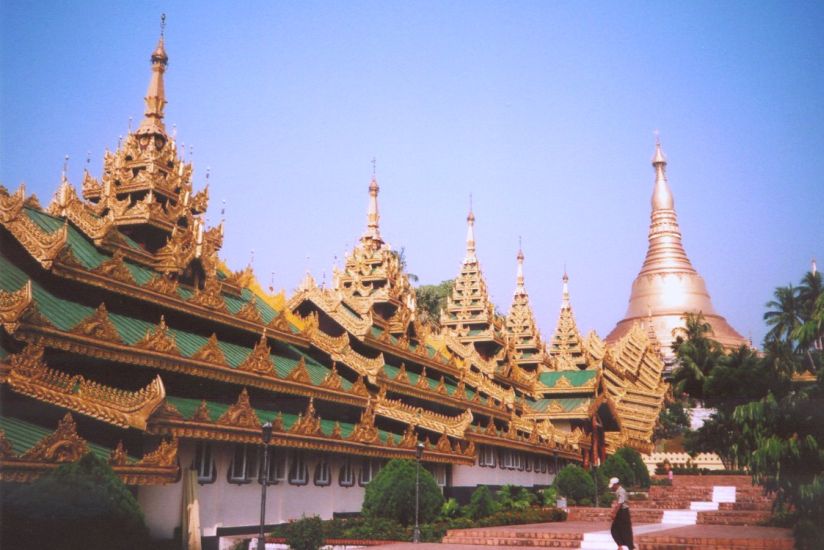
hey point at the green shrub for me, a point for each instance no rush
(481, 503)
(574, 483)
(615, 466)
(549, 496)
(636, 463)
(305, 533)
(450, 509)
(511, 497)
(78, 506)
(391, 494)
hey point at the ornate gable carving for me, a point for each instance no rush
(159, 339)
(13, 304)
(97, 325)
(259, 360)
(307, 423)
(240, 414)
(300, 373)
(64, 445)
(164, 455)
(365, 430)
(250, 312)
(115, 268)
(211, 352)
(332, 380)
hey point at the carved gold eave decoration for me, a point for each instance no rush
(90, 222)
(29, 375)
(211, 352)
(98, 326)
(115, 268)
(339, 350)
(42, 245)
(162, 290)
(13, 304)
(64, 445)
(159, 339)
(240, 424)
(93, 337)
(395, 409)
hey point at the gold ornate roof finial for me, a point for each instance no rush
(470, 235)
(519, 278)
(373, 233)
(156, 94)
(565, 290)
(661, 196)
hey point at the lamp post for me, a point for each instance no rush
(266, 436)
(416, 534)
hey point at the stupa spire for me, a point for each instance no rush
(565, 291)
(519, 277)
(156, 93)
(470, 235)
(668, 286)
(372, 214)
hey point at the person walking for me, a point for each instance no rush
(621, 529)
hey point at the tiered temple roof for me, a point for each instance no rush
(117, 311)
(566, 349)
(529, 351)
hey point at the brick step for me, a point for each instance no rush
(520, 542)
(733, 517)
(511, 534)
(639, 515)
(663, 542)
(696, 481)
(765, 505)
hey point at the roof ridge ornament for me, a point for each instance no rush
(156, 94)
(470, 235)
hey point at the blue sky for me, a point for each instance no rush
(544, 111)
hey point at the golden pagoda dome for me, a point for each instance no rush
(668, 285)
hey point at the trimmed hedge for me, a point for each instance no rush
(391, 494)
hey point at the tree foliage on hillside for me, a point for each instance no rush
(77, 506)
(431, 299)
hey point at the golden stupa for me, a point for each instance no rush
(668, 285)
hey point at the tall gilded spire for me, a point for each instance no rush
(565, 291)
(665, 252)
(372, 215)
(470, 235)
(156, 94)
(668, 286)
(519, 278)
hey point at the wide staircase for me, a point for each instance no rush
(695, 512)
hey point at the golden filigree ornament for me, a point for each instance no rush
(241, 414)
(300, 373)
(159, 339)
(115, 268)
(365, 430)
(98, 326)
(64, 445)
(307, 423)
(13, 304)
(259, 360)
(211, 352)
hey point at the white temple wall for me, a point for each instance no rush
(225, 504)
(471, 476)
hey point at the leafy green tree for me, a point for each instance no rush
(78, 506)
(673, 421)
(575, 483)
(616, 466)
(481, 503)
(392, 494)
(697, 355)
(431, 299)
(511, 497)
(636, 463)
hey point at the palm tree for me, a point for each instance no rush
(784, 315)
(697, 354)
(810, 292)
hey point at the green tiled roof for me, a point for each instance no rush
(187, 408)
(90, 257)
(392, 372)
(65, 315)
(574, 377)
(566, 403)
(25, 435)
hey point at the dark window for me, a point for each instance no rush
(244, 463)
(298, 473)
(346, 478)
(323, 474)
(204, 463)
(275, 467)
